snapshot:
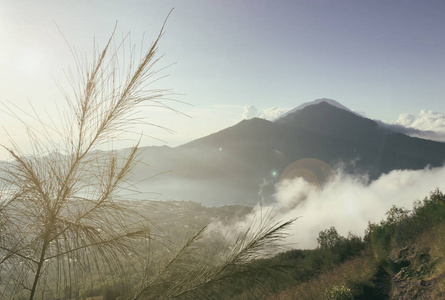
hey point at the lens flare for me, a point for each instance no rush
(313, 171)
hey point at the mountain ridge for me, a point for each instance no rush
(317, 101)
(238, 159)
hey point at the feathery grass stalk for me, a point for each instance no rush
(63, 228)
(61, 205)
(197, 265)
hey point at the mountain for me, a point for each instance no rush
(300, 107)
(376, 149)
(233, 164)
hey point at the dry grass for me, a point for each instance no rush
(435, 240)
(64, 231)
(357, 271)
(63, 219)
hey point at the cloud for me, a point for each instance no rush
(426, 120)
(405, 120)
(428, 124)
(250, 111)
(291, 193)
(347, 202)
(272, 113)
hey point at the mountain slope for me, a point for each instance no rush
(242, 157)
(324, 132)
(325, 100)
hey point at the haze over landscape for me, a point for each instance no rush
(328, 115)
(369, 163)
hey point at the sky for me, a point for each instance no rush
(229, 60)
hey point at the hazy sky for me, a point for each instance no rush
(383, 58)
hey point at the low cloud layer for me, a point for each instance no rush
(250, 111)
(347, 202)
(426, 120)
(428, 124)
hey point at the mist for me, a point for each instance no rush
(347, 202)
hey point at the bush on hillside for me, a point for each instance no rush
(401, 226)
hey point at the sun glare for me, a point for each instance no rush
(30, 62)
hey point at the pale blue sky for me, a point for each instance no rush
(383, 58)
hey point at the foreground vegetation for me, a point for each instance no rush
(66, 231)
(402, 257)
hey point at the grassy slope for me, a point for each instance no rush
(404, 259)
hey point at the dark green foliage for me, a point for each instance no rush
(402, 226)
(329, 238)
(342, 248)
(429, 213)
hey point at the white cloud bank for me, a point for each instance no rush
(250, 111)
(347, 202)
(426, 120)
(428, 124)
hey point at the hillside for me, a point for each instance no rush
(401, 257)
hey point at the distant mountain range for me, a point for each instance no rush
(233, 164)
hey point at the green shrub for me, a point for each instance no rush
(402, 226)
(341, 292)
